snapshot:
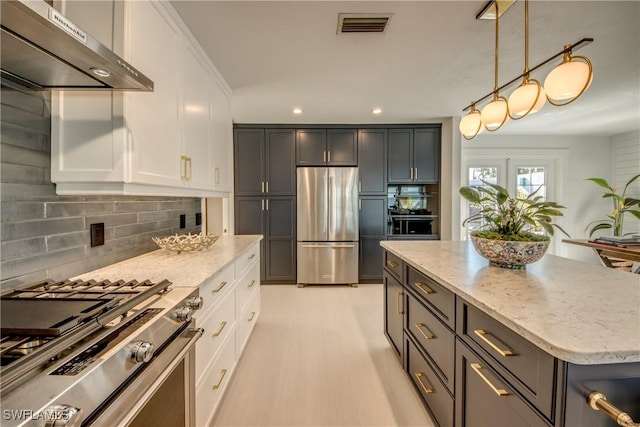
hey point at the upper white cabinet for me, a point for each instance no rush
(175, 141)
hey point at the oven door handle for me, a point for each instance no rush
(120, 411)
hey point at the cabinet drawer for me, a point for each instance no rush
(212, 387)
(484, 398)
(394, 265)
(440, 299)
(245, 261)
(435, 394)
(246, 286)
(246, 322)
(435, 338)
(215, 289)
(528, 368)
(217, 325)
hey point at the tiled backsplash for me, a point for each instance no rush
(45, 235)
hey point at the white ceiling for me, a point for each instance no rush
(434, 59)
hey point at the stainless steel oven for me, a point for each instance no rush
(98, 353)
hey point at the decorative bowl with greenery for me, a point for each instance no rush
(621, 205)
(505, 238)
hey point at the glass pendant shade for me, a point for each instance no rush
(568, 81)
(495, 114)
(471, 125)
(527, 99)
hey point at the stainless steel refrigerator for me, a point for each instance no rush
(327, 200)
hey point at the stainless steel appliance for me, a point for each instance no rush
(44, 50)
(98, 353)
(413, 210)
(327, 202)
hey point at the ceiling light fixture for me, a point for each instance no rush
(376, 111)
(297, 110)
(566, 83)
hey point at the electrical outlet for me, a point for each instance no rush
(198, 218)
(183, 221)
(97, 234)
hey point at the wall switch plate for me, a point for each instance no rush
(183, 221)
(198, 218)
(97, 234)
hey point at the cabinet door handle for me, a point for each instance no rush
(499, 391)
(483, 336)
(219, 288)
(219, 331)
(424, 288)
(422, 328)
(415, 173)
(328, 156)
(262, 204)
(267, 204)
(183, 168)
(426, 389)
(188, 168)
(392, 264)
(253, 282)
(252, 256)
(222, 374)
(399, 303)
(253, 314)
(411, 174)
(217, 176)
(266, 186)
(324, 156)
(262, 186)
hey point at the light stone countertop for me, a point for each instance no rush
(580, 313)
(183, 269)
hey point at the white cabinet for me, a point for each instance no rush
(174, 141)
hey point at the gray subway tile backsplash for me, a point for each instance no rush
(43, 235)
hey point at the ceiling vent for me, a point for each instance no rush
(349, 23)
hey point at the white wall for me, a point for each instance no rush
(626, 164)
(581, 157)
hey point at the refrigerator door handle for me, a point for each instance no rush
(332, 213)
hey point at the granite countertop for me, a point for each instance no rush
(183, 269)
(580, 313)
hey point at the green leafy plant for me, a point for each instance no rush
(510, 218)
(621, 205)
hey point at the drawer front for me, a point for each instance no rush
(435, 338)
(246, 286)
(439, 298)
(215, 289)
(217, 325)
(246, 323)
(212, 387)
(394, 265)
(435, 394)
(247, 259)
(484, 398)
(531, 368)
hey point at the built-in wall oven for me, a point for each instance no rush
(98, 353)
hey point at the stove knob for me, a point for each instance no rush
(141, 351)
(183, 314)
(63, 416)
(194, 303)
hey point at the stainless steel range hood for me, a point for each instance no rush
(44, 50)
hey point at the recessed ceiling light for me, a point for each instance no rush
(376, 111)
(297, 110)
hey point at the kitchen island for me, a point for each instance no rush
(529, 346)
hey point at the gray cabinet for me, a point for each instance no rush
(372, 161)
(320, 147)
(373, 226)
(264, 162)
(393, 312)
(274, 218)
(413, 155)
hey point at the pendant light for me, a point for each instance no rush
(569, 80)
(496, 113)
(529, 97)
(471, 125)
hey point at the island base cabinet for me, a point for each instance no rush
(394, 312)
(247, 321)
(483, 398)
(435, 395)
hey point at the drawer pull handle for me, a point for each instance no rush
(426, 389)
(219, 331)
(422, 328)
(392, 264)
(252, 256)
(219, 288)
(253, 282)
(253, 314)
(499, 391)
(399, 303)
(483, 336)
(222, 374)
(424, 288)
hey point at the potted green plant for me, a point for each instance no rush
(505, 238)
(621, 206)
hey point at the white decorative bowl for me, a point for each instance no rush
(509, 254)
(186, 242)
